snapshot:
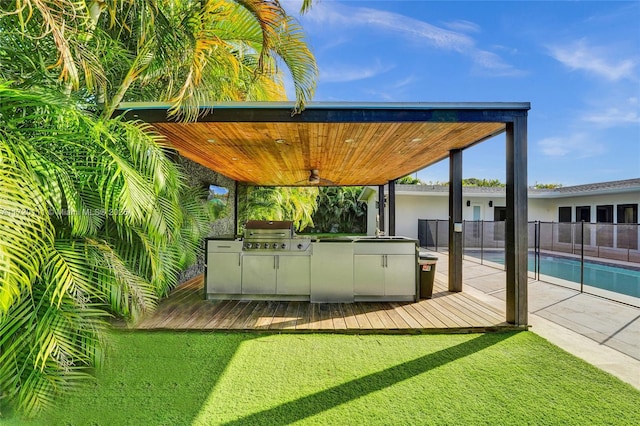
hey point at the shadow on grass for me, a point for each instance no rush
(332, 397)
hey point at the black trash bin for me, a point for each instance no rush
(427, 263)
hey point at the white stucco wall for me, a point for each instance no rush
(372, 213)
(413, 206)
(410, 208)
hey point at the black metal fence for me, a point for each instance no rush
(596, 258)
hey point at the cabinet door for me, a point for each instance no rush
(223, 273)
(294, 275)
(400, 275)
(258, 274)
(368, 275)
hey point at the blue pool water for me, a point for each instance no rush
(607, 277)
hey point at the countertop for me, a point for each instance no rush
(367, 239)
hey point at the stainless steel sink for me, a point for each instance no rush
(384, 238)
(367, 238)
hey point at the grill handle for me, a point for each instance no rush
(269, 234)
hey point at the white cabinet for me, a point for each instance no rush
(286, 274)
(384, 269)
(293, 275)
(400, 275)
(369, 275)
(224, 267)
(384, 275)
(259, 274)
(332, 272)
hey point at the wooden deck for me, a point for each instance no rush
(185, 309)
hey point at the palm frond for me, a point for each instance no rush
(25, 233)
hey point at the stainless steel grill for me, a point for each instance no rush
(273, 235)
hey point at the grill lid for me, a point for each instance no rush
(269, 224)
(268, 229)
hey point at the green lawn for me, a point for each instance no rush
(163, 378)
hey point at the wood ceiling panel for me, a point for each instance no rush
(283, 153)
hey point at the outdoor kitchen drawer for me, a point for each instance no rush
(224, 246)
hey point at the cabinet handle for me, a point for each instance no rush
(239, 258)
(276, 262)
(382, 260)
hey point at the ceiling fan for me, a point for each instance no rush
(315, 179)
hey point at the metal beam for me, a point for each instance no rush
(235, 208)
(282, 112)
(455, 220)
(392, 207)
(516, 244)
(381, 208)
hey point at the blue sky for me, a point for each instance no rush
(578, 63)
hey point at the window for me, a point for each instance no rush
(564, 227)
(564, 214)
(499, 214)
(499, 217)
(627, 228)
(628, 213)
(604, 214)
(604, 232)
(583, 214)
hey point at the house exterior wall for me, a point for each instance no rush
(410, 208)
(543, 210)
(593, 201)
(422, 205)
(372, 213)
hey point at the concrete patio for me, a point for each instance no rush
(600, 331)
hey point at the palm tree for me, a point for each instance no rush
(340, 206)
(87, 208)
(278, 203)
(186, 52)
(94, 218)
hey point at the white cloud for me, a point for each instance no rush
(463, 26)
(577, 145)
(492, 64)
(404, 82)
(579, 55)
(614, 109)
(345, 73)
(612, 117)
(325, 14)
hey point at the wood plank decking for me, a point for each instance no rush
(185, 309)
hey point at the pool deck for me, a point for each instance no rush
(604, 333)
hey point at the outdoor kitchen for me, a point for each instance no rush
(345, 144)
(270, 262)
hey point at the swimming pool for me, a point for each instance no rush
(604, 276)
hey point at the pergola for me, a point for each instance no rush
(362, 144)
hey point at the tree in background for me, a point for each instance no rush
(547, 185)
(95, 219)
(297, 204)
(487, 183)
(409, 180)
(339, 210)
